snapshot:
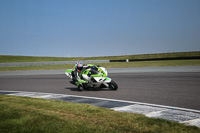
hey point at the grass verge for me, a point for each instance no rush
(111, 65)
(21, 114)
(11, 59)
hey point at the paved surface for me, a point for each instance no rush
(111, 70)
(181, 115)
(172, 89)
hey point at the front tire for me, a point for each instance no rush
(85, 86)
(113, 85)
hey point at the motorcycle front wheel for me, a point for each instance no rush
(113, 85)
(85, 87)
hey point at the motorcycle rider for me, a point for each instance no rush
(77, 71)
(76, 77)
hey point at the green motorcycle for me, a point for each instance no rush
(96, 77)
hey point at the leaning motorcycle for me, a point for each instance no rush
(96, 76)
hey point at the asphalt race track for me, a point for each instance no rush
(179, 89)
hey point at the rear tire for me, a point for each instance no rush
(113, 85)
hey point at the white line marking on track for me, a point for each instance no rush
(195, 122)
(155, 113)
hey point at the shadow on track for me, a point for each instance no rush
(88, 89)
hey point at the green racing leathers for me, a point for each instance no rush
(76, 75)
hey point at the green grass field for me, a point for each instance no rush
(9, 59)
(21, 114)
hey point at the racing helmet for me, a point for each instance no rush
(79, 65)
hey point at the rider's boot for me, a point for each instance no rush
(79, 86)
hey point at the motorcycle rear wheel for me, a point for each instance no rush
(113, 85)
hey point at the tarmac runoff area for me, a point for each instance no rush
(181, 115)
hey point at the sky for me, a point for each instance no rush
(87, 28)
